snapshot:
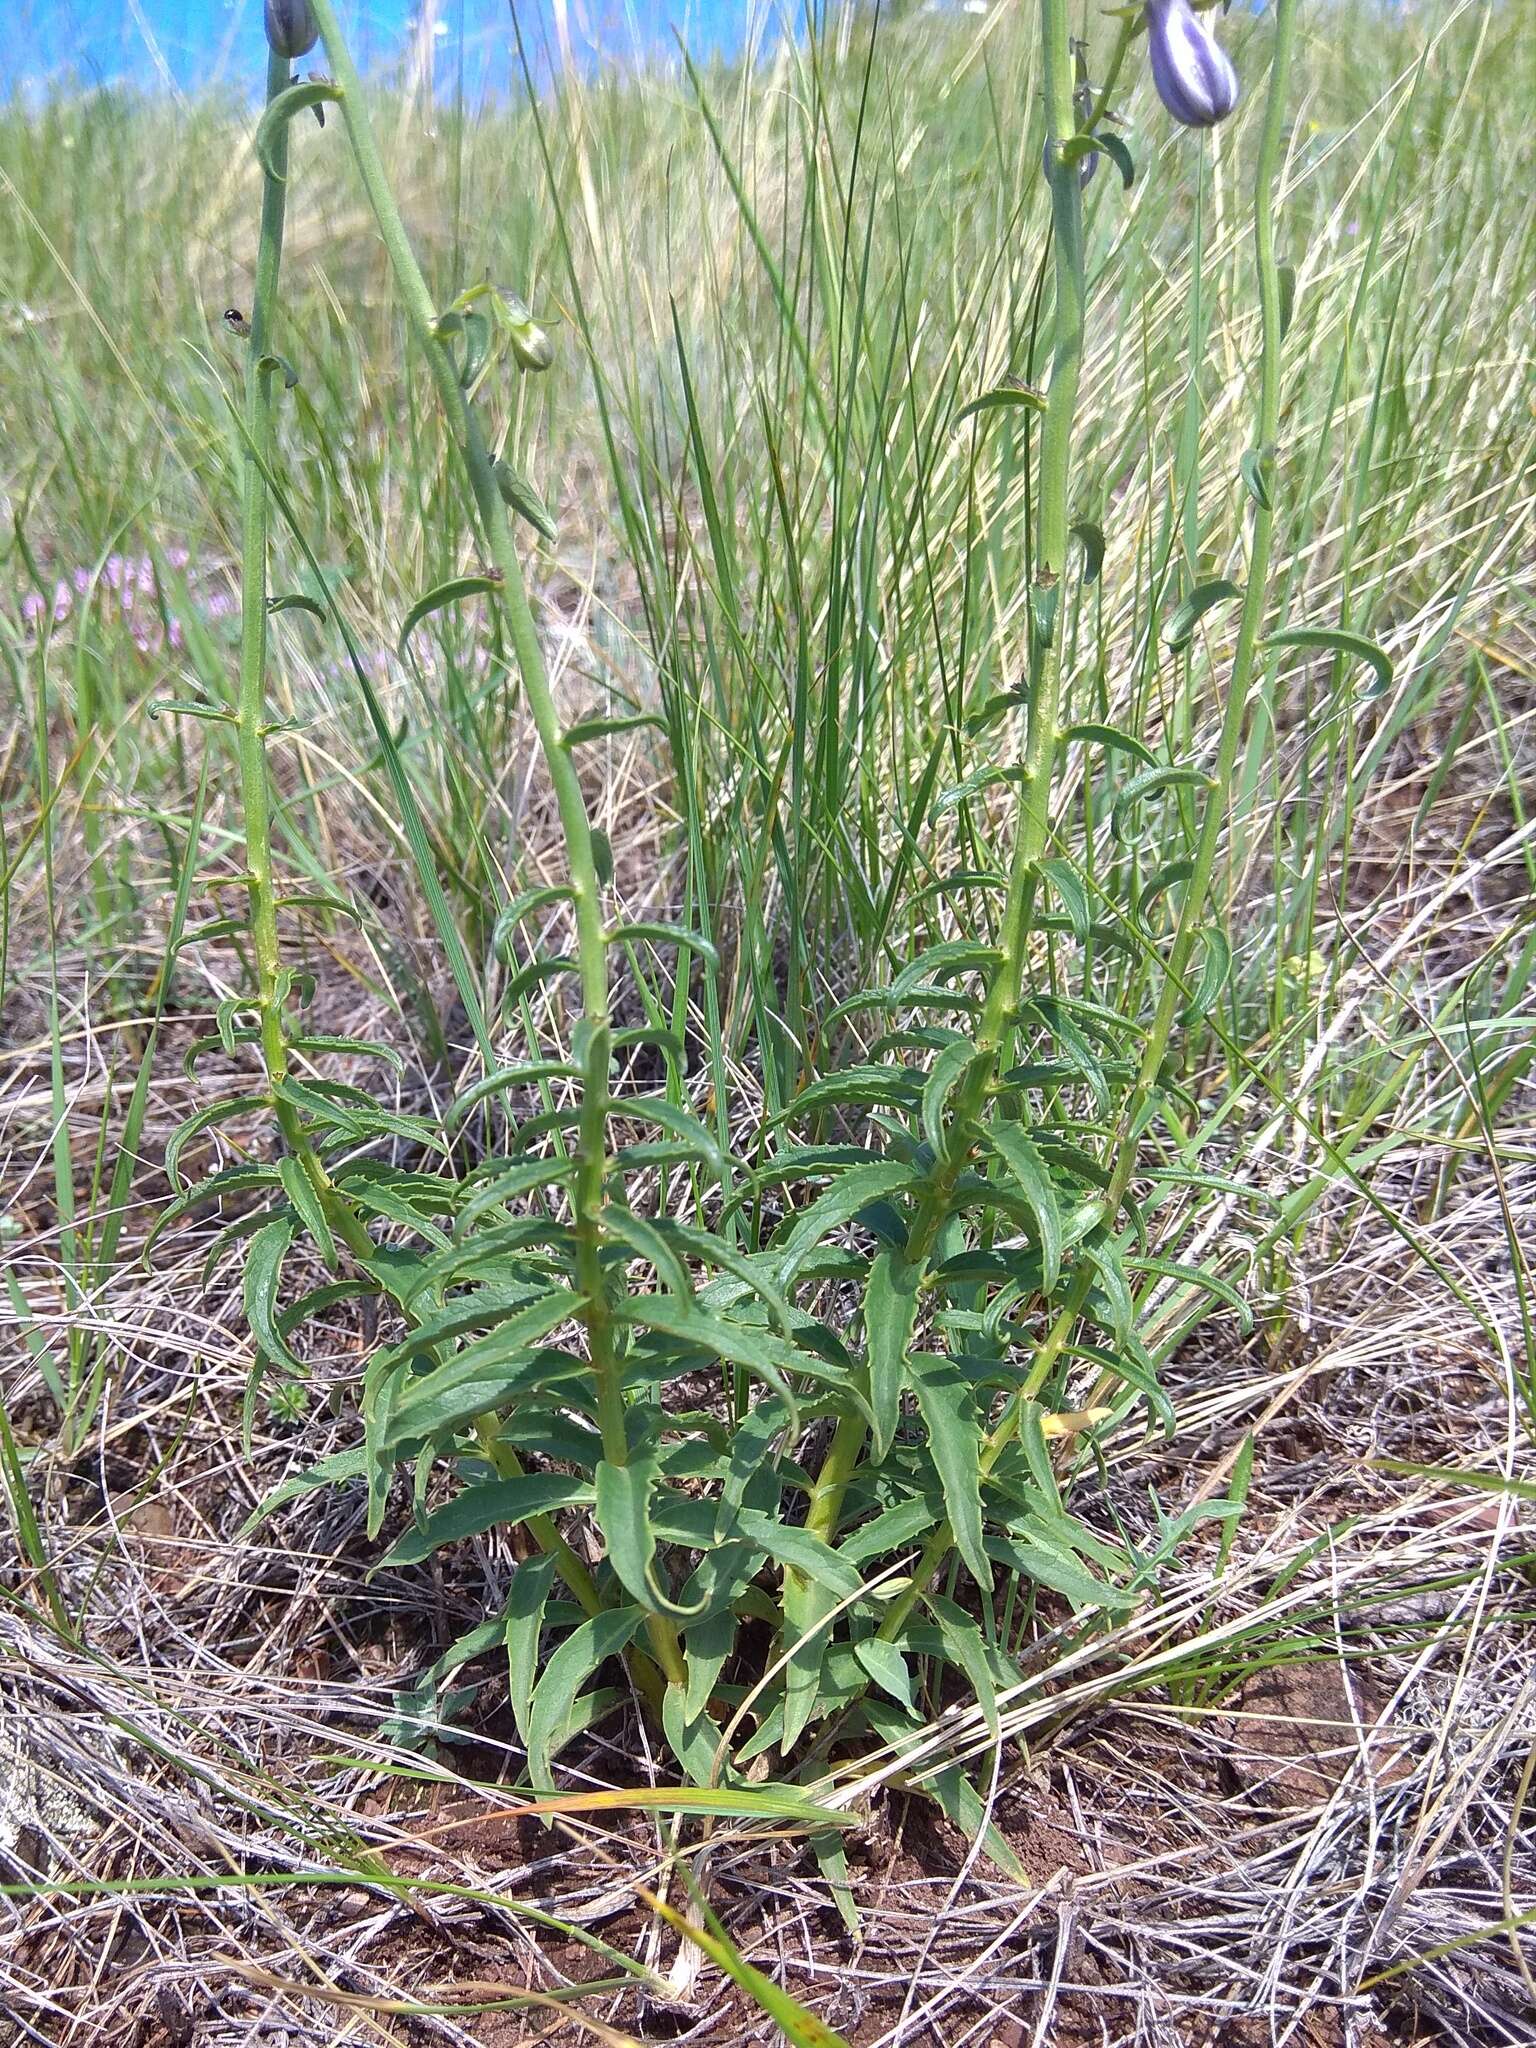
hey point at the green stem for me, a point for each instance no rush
(1215, 813)
(1042, 740)
(594, 1047)
(255, 787)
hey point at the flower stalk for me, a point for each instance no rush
(1213, 817)
(594, 1038)
(263, 378)
(1042, 740)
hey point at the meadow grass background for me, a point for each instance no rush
(771, 291)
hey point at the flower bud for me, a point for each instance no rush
(530, 344)
(291, 27)
(1193, 74)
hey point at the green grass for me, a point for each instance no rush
(772, 295)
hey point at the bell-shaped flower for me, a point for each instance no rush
(1193, 74)
(291, 27)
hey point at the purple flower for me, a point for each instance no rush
(1193, 74)
(291, 27)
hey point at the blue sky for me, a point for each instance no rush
(190, 41)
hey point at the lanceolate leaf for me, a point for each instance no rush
(524, 1620)
(1016, 1149)
(263, 1275)
(492, 1504)
(451, 592)
(890, 1310)
(623, 1515)
(281, 110)
(1180, 629)
(954, 1442)
(568, 1669)
(1337, 641)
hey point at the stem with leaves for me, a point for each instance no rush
(1043, 735)
(263, 377)
(594, 1038)
(1214, 815)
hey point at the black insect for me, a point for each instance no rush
(237, 323)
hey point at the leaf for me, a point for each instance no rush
(295, 601)
(263, 1274)
(789, 1543)
(570, 1665)
(517, 492)
(280, 110)
(1148, 784)
(335, 1470)
(836, 1206)
(1255, 473)
(1011, 392)
(1216, 965)
(968, 1653)
(623, 1515)
(888, 1668)
(490, 1504)
(300, 1190)
(1016, 1149)
(1180, 629)
(1068, 884)
(666, 935)
(1090, 537)
(874, 1086)
(523, 1620)
(1114, 739)
(945, 1075)
(801, 2028)
(603, 728)
(1285, 274)
(1338, 641)
(890, 1311)
(945, 962)
(442, 594)
(201, 1120)
(954, 1443)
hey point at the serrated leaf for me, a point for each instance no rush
(890, 1313)
(263, 1276)
(836, 1206)
(204, 1119)
(948, 1410)
(1017, 1150)
(300, 1190)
